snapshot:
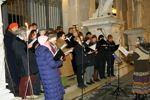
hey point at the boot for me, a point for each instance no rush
(95, 76)
(137, 97)
(144, 97)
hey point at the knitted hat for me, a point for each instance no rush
(12, 25)
(42, 39)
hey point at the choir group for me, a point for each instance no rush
(30, 56)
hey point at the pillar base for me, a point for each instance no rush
(5, 93)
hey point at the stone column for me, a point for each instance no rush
(65, 14)
(138, 13)
(76, 11)
(92, 8)
(137, 29)
(4, 93)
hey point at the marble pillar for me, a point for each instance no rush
(76, 11)
(138, 10)
(135, 23)
(4, 93)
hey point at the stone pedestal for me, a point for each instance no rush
(4, 93)
(134, 33)
(109, 25)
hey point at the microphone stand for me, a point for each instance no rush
(118, 90)
(80, 43)
(109, 58)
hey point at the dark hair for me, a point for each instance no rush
(34, 24)
(58, 27)
(70, 28)
(31, 34)
(100, 36)
(94, 36)
(143, 43)
(141, 40)
(80, 34)
(88, 33)
(59, 34)
(86, 38)
(50, 31)
(109, 36)
(29, 26)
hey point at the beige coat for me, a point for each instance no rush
(66, 69)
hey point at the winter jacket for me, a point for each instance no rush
(48, 69)
(19, 48)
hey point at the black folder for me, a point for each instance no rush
(71, 42)
(58, 55)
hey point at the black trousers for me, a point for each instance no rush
(37, 85)
(102, 68)
(80, 73)
(110, 66)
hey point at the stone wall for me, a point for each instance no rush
(146, 17)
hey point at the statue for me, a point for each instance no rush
(104, 9)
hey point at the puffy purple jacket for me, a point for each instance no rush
(49, 73)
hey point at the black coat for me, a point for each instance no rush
(102, 52)
(71, 42)
(110, 49)
(20, 50)
(33, 46)
(32, 57)
(80, 55)
(101, 49)
(8, 38)
(90, 57)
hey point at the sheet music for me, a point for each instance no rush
(68, 51)
(68, 38)
(33, 41)
(123, 50)
(93, 47)
(63, 46)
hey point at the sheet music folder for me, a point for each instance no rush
(58, 55)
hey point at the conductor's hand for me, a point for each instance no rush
(131, 51)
